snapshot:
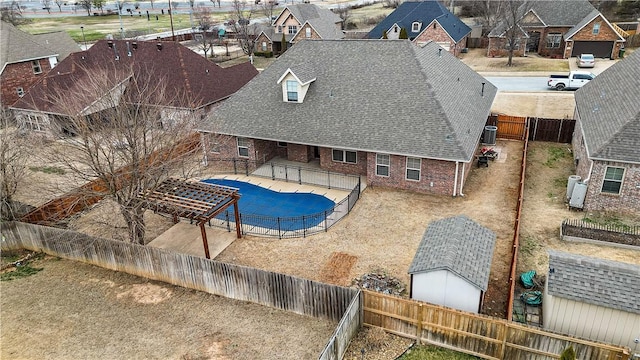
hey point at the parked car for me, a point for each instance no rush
(586, 61)
(574, 80)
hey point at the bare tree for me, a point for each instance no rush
(510, 16)
(152, 2)
(128, 139)
(86, 4)
(14, 153)
(12, 13)
(46, 4)
(345, 15)
(267, 9)
(204, 21)
(391, 3)
(59, 4)
(245, 30)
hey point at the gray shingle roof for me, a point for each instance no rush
(559, 13)
(305, 12)
(326, 29)
(457, 244)
(303, 72)
(18, 46)
(609, 112)
(60, 41)
(595, 281)
(387, 96)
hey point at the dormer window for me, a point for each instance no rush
(307, 32)
(415, 26)
(293, 29)
(292, 90)
(295, 83)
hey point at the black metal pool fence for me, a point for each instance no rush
(295, 226)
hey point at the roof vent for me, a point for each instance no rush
(482, 92)
(110, 43)
(159, 46)
(128, 50)
(439, 52)
(134, 45)
(207, 71)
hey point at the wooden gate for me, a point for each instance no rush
(511, 127)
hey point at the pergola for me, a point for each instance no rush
(193, 200)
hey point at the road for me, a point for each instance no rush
(525, 83)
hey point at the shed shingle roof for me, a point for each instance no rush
(609, 112)
(424, 12)
(457, 244)
(188, 73)
(595, 281)
(387, 96)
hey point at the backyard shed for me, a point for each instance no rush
(593, 298)
(452, 264)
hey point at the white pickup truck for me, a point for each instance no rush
(575, 80)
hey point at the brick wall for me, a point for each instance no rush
(20, 75)
(438, 34)
(263, 38)
(264, 150)
(553, 52)
(302, 34)
(299, 153)
(629, 198)
(436, 177)
(326, 163)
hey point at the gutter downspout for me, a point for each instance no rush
(455, 181)
(589, 174)
(462, 181)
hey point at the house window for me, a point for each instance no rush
(413, 168)
(612, 180)
(395, 29)
(34, 122)
(293, 29)
(344, 156)
(282, 144)
(279, 28)
(243, 147)
(596, 28)
(382, 164)
(264, 46)
(35, 64)
(307, 32)
(292, 90)
(415, 26)
(553, 40)
(20, 91)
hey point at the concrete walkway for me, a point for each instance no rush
(185, 238)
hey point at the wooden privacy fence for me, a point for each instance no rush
(478, 335)
(289, 293)
(540, 129)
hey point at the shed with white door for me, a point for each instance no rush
(452, 264)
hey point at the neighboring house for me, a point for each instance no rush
(593, 299)
(403, 116)
(606, 140)
(560, 29)
(452, 264)
(25, 58)
(299, 22)
(195, 85)
(425, 21)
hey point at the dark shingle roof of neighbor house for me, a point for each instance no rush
(190, 77)
(609, 111)
(611, 284)
(386, 96)
(18, 46)
(425, 12)
(457, 244)
(560, 13)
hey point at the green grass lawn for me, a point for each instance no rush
(422, 352)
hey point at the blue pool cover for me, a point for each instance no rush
(276, 210)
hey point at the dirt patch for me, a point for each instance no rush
(338, 268)
(73, 310)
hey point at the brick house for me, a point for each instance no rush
(561, 29)
(424, 21)
(299, 22)
(26, 58)
(335, 103)
(606, 140)
(192, 77)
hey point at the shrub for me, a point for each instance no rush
(568, 354)
(266, 54)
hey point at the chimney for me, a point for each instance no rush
(159, 46)
(482, 92)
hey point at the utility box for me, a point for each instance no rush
(577, 195)
(490, 133)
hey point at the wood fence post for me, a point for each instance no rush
(419, 327)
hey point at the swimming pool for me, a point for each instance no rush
(281, 211)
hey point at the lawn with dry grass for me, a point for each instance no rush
(477, 60)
